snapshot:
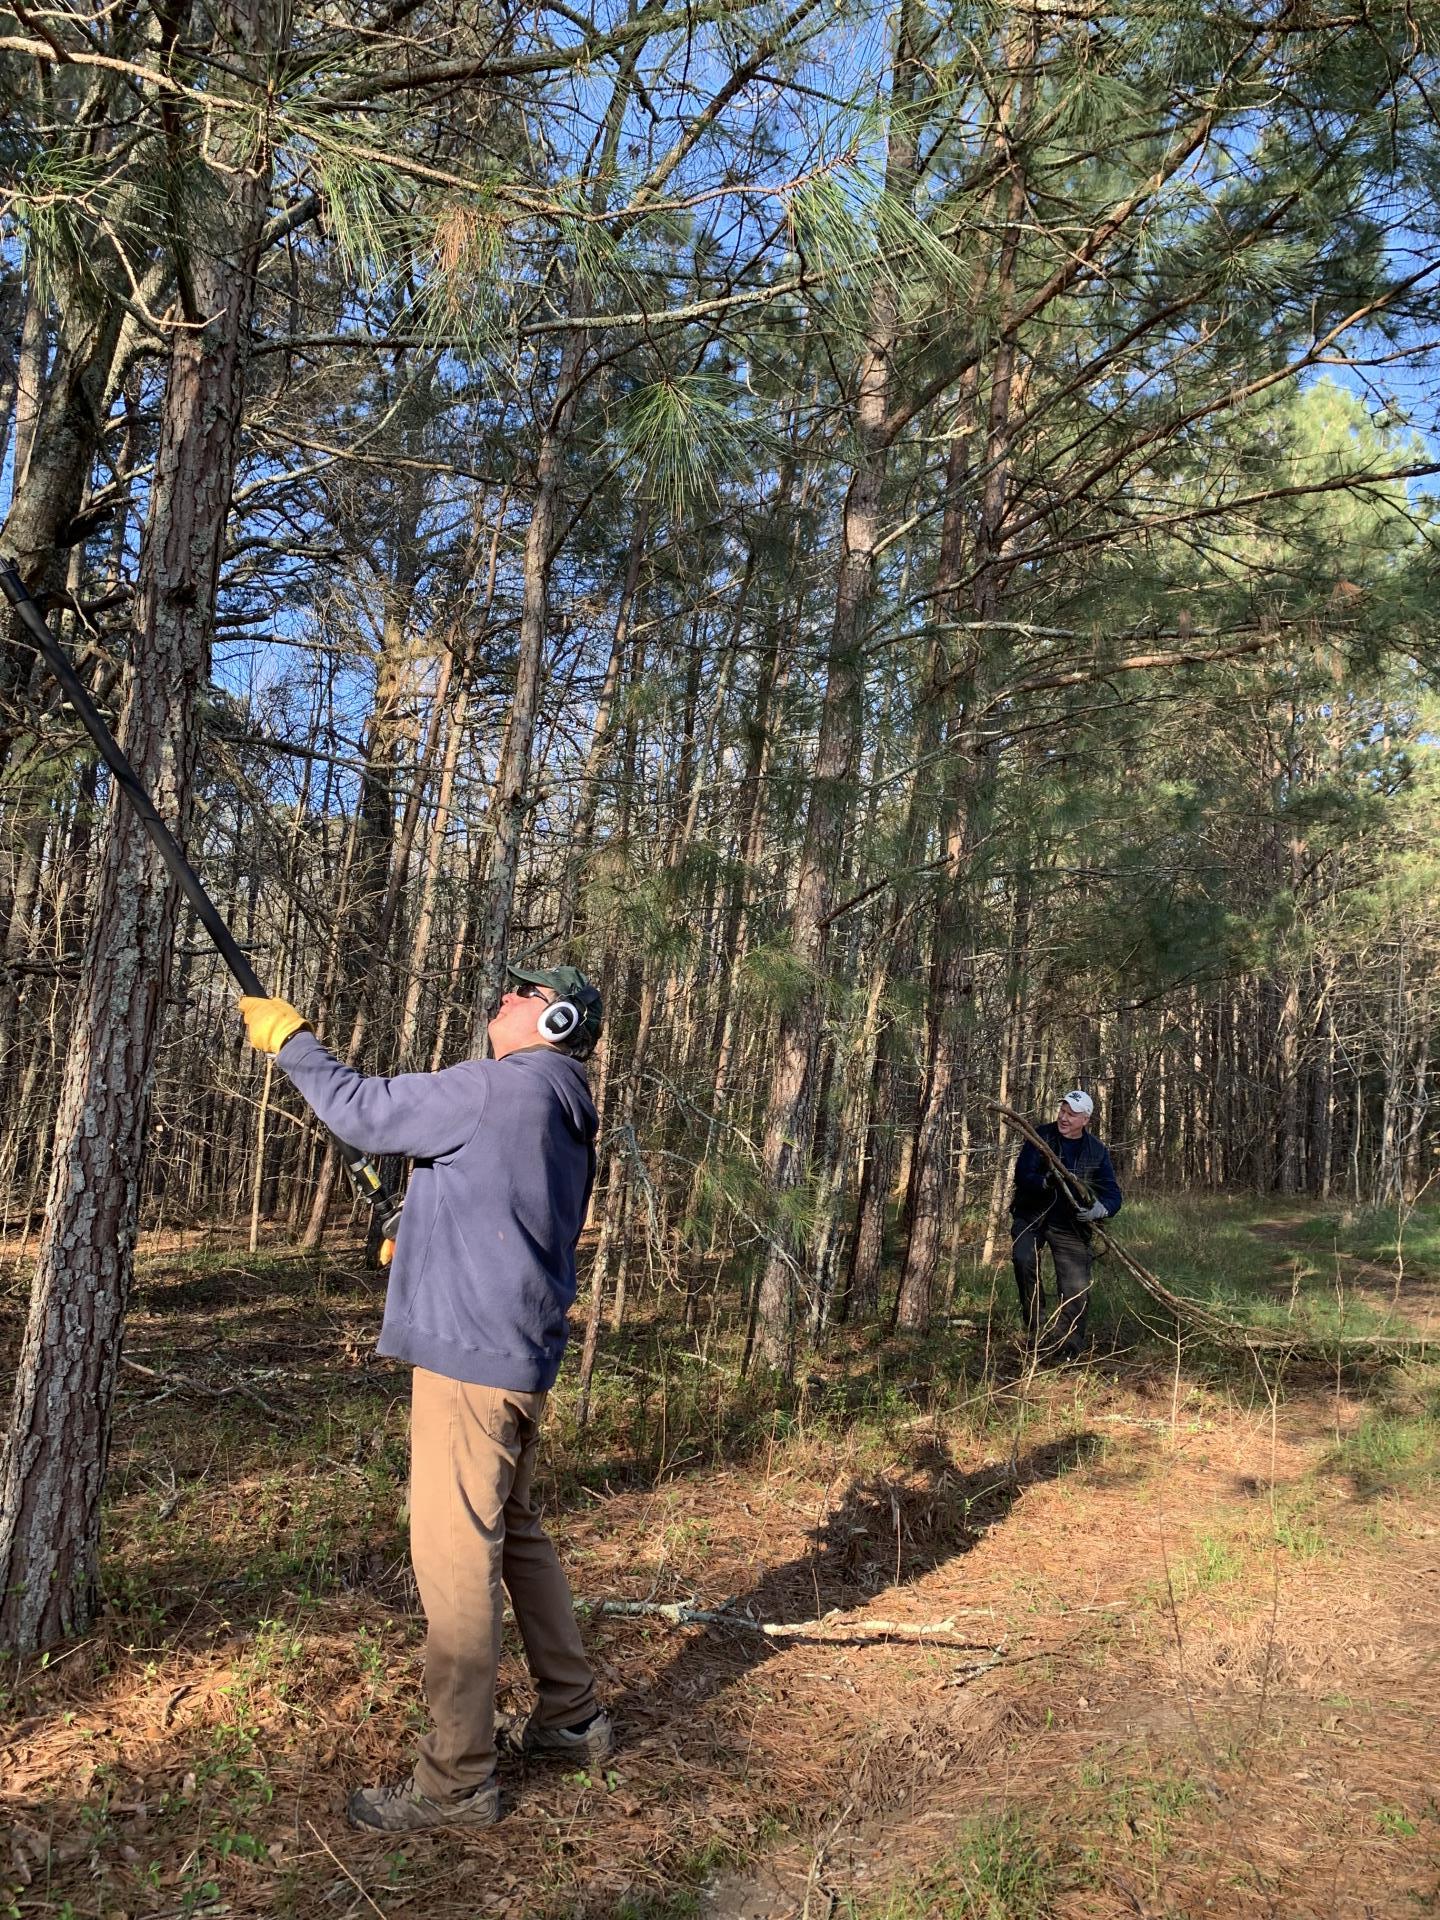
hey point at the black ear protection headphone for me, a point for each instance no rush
(559, 1020)
(573, 1021)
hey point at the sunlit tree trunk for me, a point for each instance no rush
(789, 1116)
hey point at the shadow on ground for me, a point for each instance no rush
(882, 1534)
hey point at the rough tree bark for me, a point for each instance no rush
(53, 1469)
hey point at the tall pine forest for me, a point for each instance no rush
(897, 538)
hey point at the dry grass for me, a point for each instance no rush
(1215, 1617)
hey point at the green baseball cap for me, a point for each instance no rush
(561, 980)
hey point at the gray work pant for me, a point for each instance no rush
(1063, 1329)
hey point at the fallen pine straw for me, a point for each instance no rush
(345, 1870)
(1218, 1327)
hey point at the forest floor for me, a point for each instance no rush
(1187, 1665)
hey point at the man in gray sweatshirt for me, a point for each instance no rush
(481, 1281)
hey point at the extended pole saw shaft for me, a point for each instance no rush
(361, 1168)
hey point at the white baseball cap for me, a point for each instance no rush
(1078, 1102)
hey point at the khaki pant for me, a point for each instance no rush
(473, 1523)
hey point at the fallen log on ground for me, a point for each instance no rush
(827, 1626)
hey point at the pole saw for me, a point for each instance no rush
(364, 1174)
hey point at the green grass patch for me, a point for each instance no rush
(999, 1869)
(1223, 1253)
(1395, 1447)
(1405, 1239)
(1148, 1805)
(1225, 1557)
(1137, 1814)
(690, 1873)
(1300, 1535)
(1210, 1251)
(1216, 1560)
(1396, 1824)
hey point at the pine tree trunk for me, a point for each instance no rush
(55, 446)
(512, 781)
(53, 1470)
(24, 372)
(735, 939)
(789, 1117)
(612, 1250)
(379, 926)
(970, 773)
(1011, 1049)
(578, 854)
(511, 795)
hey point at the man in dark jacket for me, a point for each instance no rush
(481, 1281)
(1044, 1215)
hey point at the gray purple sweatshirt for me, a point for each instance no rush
(504, 1152)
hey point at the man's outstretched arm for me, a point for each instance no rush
(420, 1115)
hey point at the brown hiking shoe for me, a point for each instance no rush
(404, 1809)
(583, 1746)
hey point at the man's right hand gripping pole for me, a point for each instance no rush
(270, 1023)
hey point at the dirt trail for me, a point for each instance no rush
(1215, 1693)
(1412, 1294)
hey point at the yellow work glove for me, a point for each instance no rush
(387, 1252)
(270, 1023)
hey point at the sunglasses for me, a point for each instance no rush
(531, 990)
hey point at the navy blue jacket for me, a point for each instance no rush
(504, 1152)
(1087, 1158)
